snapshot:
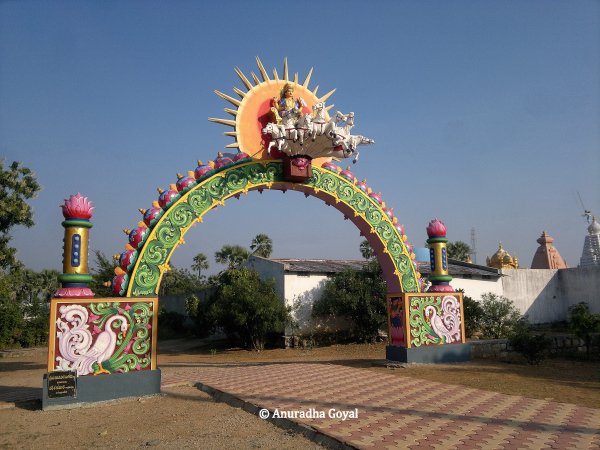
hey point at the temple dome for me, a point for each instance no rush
(502, 260)
(547, 256)
(594, 227)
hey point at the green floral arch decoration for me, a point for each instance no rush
(148, 257)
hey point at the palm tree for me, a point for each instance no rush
(232, 255)
(366, 250)
(459, 250)
(262, 245)
(200, 263)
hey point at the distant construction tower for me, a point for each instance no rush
(473, 247)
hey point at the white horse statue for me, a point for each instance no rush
(289, 124)
(277, 133)
(329, 137)
(351, 144)
(305, 127)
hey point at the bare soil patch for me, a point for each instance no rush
(188, 418)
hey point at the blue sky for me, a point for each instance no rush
(486, 114)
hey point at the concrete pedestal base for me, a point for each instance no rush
(429, 354)
(91, 389)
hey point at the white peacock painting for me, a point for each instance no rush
(446, 325)
(114, 340)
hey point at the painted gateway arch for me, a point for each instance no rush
(286, 140)
(151, 245)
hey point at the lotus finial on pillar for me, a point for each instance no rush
(75, 278)
(438, 255)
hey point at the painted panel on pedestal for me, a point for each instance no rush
(95, 337)
(434, 318)
(396, 326)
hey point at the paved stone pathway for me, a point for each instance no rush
(393, 411)
(400, 412)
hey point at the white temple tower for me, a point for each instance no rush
(590, 257)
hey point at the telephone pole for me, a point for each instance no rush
(473, 246)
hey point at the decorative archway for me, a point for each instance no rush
(284, 143)
(152, 244)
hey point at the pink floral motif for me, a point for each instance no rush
(128, 348)
(301, 163)
(93, 317)
(71, 292)
(436, 228)
(77, 207)
(96, 330)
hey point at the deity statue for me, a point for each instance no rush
(275, 117)
(290, 109)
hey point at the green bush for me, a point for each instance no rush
(499, 316)
(247, 308)
(358, 296)
(170, 324)
(200, 313)
(584, 323)
(23, 307)
(532, 346)
(11, 323)
(473, 314)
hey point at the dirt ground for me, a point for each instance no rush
(187, 418)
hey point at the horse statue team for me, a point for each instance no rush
(310, 135)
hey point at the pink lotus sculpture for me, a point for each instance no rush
(436, 228)
(77, 207)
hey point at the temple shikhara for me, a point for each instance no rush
(546, 256)
(590, 256)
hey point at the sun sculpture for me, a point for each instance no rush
(281, 118)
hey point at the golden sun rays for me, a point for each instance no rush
(252, 100)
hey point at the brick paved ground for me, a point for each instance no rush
(400, 412)
(393, 411)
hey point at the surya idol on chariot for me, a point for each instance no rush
(296, 131)
(282, 118)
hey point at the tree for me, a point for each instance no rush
(24, 296)
(459, 250)
(180, 281)
(11, 314)
(232, 255)
(499, 316)
(200, 263)
(531, 345)
(366, 250)
(262, 245)
(248, 308)
(473, 314)
(17, 185)
(102, 272)
(358, 296)
(583, 323)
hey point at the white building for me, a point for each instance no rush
(301, 281)
(545, 295)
